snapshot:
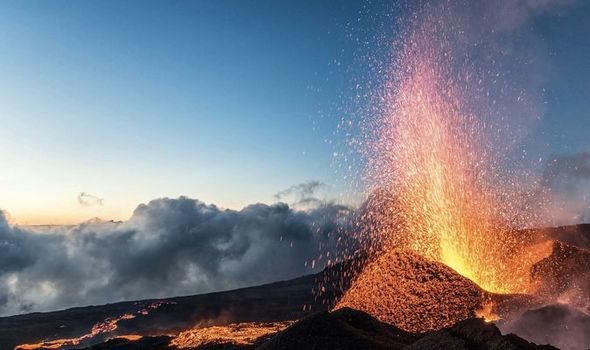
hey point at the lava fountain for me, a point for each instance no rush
(438, 161)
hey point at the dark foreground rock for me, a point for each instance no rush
(351, 329)
(147, 343)
(342, 329)
(470, 334)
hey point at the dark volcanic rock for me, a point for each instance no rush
(578, 235)
(439, 340)
(342, 329)
(565, 274)
(351, 329)
(470, 334)
(560, 325)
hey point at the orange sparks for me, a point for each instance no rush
(441, 184)
(439, 153)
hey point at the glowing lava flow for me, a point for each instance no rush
(486, 312)
(247, 333)
(109, 325)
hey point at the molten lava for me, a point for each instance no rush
(486, 312)
(247, 333)
(130, 337)
(106, 326)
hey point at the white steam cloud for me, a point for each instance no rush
(168, 247)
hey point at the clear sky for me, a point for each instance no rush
(225, 101)
(133, 100)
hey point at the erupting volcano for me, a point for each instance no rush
(449, 245)
(443, 189)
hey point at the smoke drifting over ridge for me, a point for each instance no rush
(567, 176)
(168, 247)
(303, 191)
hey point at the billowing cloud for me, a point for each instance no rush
(168, 247)
(88, 200)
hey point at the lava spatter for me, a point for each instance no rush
(441, 188)
(412, 292)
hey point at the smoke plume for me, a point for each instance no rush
(88, 200)
(302, 195)
(558, 324)
(567, 177)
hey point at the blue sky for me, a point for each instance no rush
(566, 123)
(225, 101)
(130, 101)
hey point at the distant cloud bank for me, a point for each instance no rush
(168, 247)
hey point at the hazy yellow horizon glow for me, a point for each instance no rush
(60, 214)
(67, 211)
(46, 194)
